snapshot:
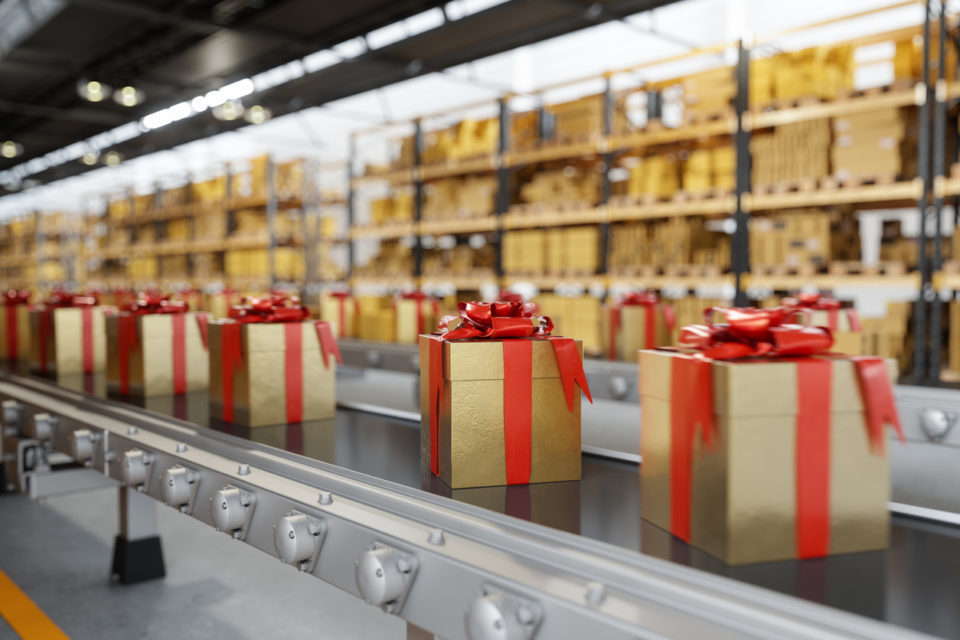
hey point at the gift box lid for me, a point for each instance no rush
(482, 359)
(756, 386)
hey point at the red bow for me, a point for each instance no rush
(495, 320)
(646, 298)
(150, 303)
(755, 332)
(818, 302)
(272, 309)
(16, 297)
(811, 301)
(64, 299)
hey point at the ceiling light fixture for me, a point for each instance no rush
(128, 96)
(229, 110)
(112, 158)
(10, 149)
(90, 158)
(92, 90)
(257, 114)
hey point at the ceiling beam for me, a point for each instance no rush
(208, 27)
(78, 114)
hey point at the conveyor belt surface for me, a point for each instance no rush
(915, 584)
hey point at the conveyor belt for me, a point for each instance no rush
(916, 584)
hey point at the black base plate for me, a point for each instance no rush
(137, 560)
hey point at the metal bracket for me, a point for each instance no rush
(499, 615)
(179, 488)
(231, 510)
(385, 575)
(135, 469)
(82, 445)
(43, 427)
(12, 416)
(298, 539)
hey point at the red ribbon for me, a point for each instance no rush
(420, 296)
(650, 302)
(151, 303)
(764, 334)
(275, 309)
(820, 302)
(505, 321)
(127, 339)
(63, 300)
(11, 300)
(341, 298)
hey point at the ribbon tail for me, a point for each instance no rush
(853, 319)
(179, 352)
(649, 327)
(669, 316)
(878, 402)
(571, 369)
(12, 338)
(328, 344)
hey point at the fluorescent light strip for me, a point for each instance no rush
(347, 50)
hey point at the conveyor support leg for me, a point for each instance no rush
(137, 555)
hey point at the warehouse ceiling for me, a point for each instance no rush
(174, 50)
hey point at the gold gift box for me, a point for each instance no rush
(845, 339)
(330, 312)
(22, 319)
(408, 329)
(471, 422)
(632, 335)
(150, 366)
(218, 304)
(744, 486)
(378, 325)
(259, 381)
(64, 344)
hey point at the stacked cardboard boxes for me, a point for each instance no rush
(796, 240)
(289, 181)
(654, 176)
(395, 259)
(249, 184)
(580, 185)
(878, 145)
(468, 197)
(396, 208)
(709, 168)
(459, 261)
(709, 92)
(662, 245)
(561, 251)
(844, 237)
(791, 153)
(467, 139)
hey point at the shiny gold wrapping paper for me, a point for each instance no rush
(743, 498)
(23, 332)
(471, 426)
(632, 335)
(151, 362)
(408, 330)
(259, 383)
(330, 312)
(65, 343)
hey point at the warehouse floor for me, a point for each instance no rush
(59, 553)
